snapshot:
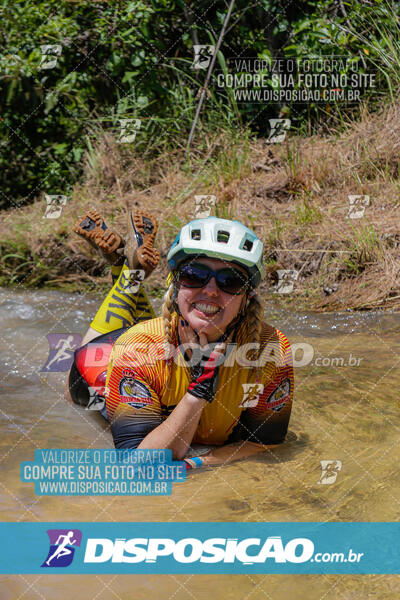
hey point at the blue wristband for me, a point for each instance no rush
(194, 461)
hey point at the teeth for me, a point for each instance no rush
(207, 308)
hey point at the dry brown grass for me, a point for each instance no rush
(295, 196)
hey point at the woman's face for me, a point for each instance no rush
(198, 305)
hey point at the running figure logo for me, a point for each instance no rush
(61, 354)
(252, 393)
(97, 400)
(62, 547)
(54, 206)
(202, 55)
(330, 470)
(357, 206)
(278, 129)
(131, 280)
(204, 205)
(50, 54)
(128, 130)
(286, 281)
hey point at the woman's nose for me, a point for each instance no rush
(211, 287)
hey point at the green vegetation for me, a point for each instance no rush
(61, 128)
(307, 213)
(366, 248)
(132, 59)
(302, 216)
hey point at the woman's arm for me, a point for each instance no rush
(228, 454)
(141, 428)
(177, 431)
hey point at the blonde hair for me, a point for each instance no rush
(252, 324)
(167, 312)
(254, 319)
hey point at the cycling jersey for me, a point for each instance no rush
(145, 383)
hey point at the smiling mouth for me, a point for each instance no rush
(207, 309)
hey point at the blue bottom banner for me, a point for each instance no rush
(200, 548)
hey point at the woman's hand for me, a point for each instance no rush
(205, 358)
(178, 429)
(193, 339)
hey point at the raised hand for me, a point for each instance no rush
(207, 357)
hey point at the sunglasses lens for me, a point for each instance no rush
(231, 281)
(194, 276)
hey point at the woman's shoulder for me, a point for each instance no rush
(269, 334)
(145, 332)
(274, 347)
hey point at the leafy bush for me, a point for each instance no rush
(133, 59)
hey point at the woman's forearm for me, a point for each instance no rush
(177, 431)
(235, 451)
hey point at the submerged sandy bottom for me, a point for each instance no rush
(346, 413)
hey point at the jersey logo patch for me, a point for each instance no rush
(281, 394)
(133, 392)
(251, 394)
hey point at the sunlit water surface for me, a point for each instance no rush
(345, 413)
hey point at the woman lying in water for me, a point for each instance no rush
(209, 370)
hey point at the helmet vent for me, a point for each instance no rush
(196, 234)
(223, 236)
(248, 245)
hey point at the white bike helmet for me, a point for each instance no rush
(219, 238)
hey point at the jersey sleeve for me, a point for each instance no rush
(267, 421)
(133, 389)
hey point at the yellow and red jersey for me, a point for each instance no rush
(252, 402)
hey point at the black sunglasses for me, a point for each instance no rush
(229, 280)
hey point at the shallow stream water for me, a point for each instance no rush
(346, 409)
